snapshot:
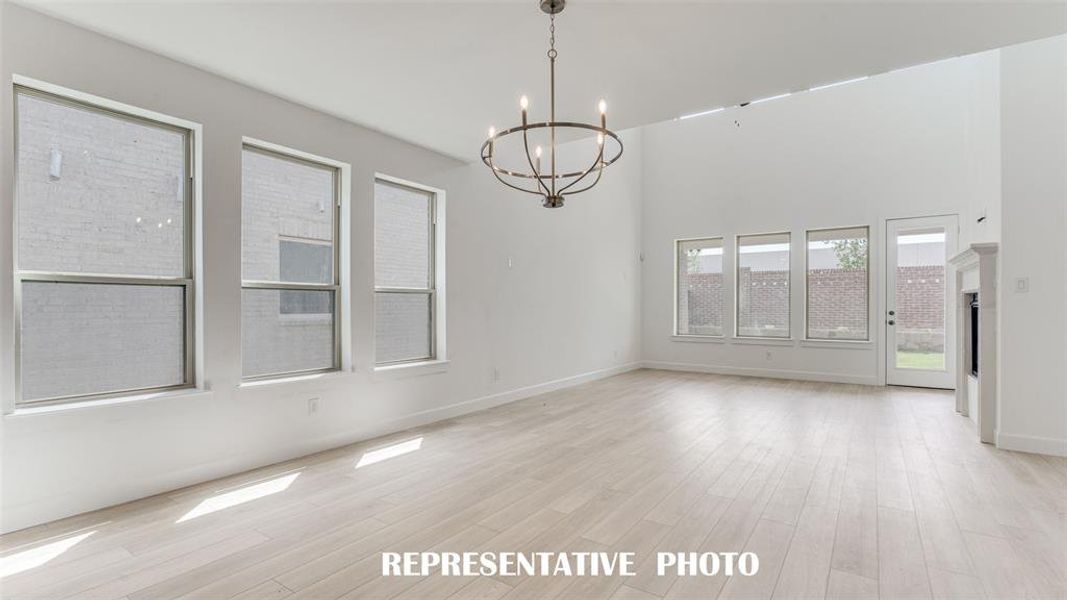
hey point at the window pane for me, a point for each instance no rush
(401, 326)
(763, 285)
(837, 284)
(920, 300)
(700, 287)
(401, 236)
(283, 199)
(305, 262)
(80, 338)
(98, 193)
(286, 330)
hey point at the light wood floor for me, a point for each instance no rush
(843, 491)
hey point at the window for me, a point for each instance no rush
(837, 284)
(405, 274)
(104, 268)
(700, 287)
(289, 232)
(305, 260)
(763, 285)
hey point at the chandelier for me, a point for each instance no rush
(544, 179)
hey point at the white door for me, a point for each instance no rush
(919, 323)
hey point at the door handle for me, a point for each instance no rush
(891, 322)
(892, 312)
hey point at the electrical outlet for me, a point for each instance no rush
(769, 355)
(1022, 285)
(313, 405)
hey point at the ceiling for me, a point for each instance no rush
(439, 73)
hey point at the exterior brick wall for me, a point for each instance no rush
(114, 205)
(701, 311)
(117, 205)
(282, 200)
(837, 304)
(273, 342)
(763, 300)
(79, 338)
(920, 307)
(402, 259)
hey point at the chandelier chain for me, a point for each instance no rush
(552, 36)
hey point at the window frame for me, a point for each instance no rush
(677, 274)
(190, 133)
(807, 286)
(435, 279)
(340, 176)
(737, 288)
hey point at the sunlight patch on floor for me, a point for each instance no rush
(35, 557)
(240, 495)
(375, 456)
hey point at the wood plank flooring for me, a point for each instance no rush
(843, 491)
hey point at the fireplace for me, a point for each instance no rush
(973, 331)
(976, 318)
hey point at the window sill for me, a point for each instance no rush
(412, 369)
(839, 344)
(763, 341)
(251, 384)
(700, 339)
(63, 407)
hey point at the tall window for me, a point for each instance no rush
(103, 269)
(763, 285)
(837, 284)
(700, 287)
(405, 277)
(289, 232)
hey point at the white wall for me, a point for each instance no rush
(922, 141)
(567, 308)
(1033, 333)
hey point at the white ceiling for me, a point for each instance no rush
(439, 73)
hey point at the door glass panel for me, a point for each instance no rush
(919, 328)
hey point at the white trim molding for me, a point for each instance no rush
(766, 373)
(1032, 444)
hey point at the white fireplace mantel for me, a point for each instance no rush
(976, 272)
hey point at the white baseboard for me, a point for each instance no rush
(1032, 444)
(770, 373)
(120, 492)
(474, 405)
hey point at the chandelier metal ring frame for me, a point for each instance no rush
(552, 185)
